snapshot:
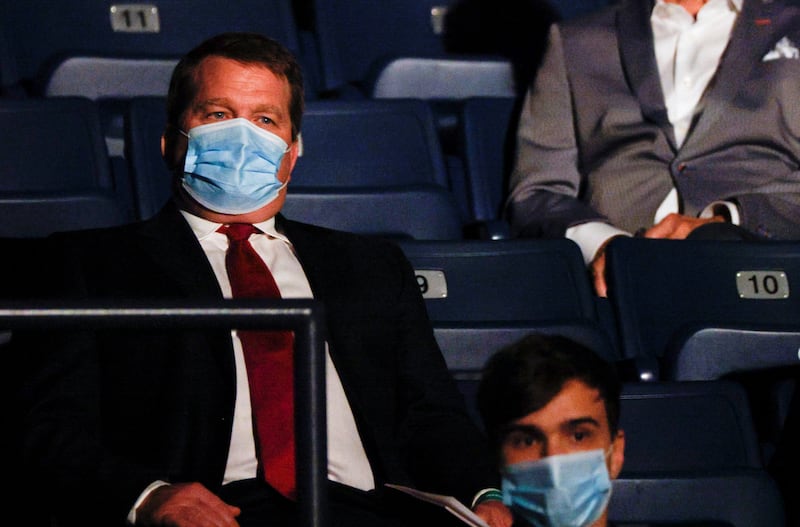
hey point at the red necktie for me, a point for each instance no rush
(268, 358)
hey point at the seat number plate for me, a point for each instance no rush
(762, 285)
(432, 283)
(135, 18)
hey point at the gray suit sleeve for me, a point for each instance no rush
(773, 209)
(545, 184)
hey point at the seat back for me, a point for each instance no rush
(420, 212)
(713, 309)
(354, 34)
(481, 295)
(442, 78)
(97, 49)
(150, 178)
(369, 143)
(55, 170)
(740, 498)
(504, 280)
(687, 427)
(487, 133)
(691, 457)
(662, 288)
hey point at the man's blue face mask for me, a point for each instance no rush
(231, 166)
(568, 490)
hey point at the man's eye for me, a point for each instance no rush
(521, 440)
(264, 120)
(580, 435)
(217, 115)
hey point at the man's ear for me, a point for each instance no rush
(295, 151)
(617, 455)
(173, 148)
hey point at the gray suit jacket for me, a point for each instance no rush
(595, 143)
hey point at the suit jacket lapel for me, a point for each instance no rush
(639, 61)
(169, 241)
(324, 266)
(752, 37)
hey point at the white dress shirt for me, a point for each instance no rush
(347, 461)
(688, 51)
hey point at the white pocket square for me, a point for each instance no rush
(784, 49)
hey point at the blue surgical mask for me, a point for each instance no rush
(568, 490)
(231, 166)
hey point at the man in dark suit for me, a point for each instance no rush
(156, 428)
(659, 117)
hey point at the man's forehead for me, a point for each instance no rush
(576, 401)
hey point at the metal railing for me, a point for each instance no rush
(304, 317)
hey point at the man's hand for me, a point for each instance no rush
(678, 227)
(494, 513)
(673, 227)
(186, 505)
(598, 269)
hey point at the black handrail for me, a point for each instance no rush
(304, 317)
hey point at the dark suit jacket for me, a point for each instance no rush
(595, 143)
(113, 411)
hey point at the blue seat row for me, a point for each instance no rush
(357, 145)
(87, 47)
(112, 53)
(99, 49)
(375, 167)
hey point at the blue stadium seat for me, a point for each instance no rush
(359, 39)
(412, 212)
(735, 498)
(487, 133)
(9, 80)
(112, 52)
(396, 49)
(94, 49)
(56, 173)
(692, 457)
(663, 291)
(441, 78)
(369, 143)
(713, 309)
(687, 427)
(482, 294)
(718, 352)
(150, 178)
(352, 35)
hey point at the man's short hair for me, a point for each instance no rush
(525, 376)
(247, 48)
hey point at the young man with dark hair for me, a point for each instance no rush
(551, 409)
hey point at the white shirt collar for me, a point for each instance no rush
(661, 7)
(203, 228)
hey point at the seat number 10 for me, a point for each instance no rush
(762, 285)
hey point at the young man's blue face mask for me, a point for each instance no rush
(231, 166)
(568, 490)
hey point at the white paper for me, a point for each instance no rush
(455, 507)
